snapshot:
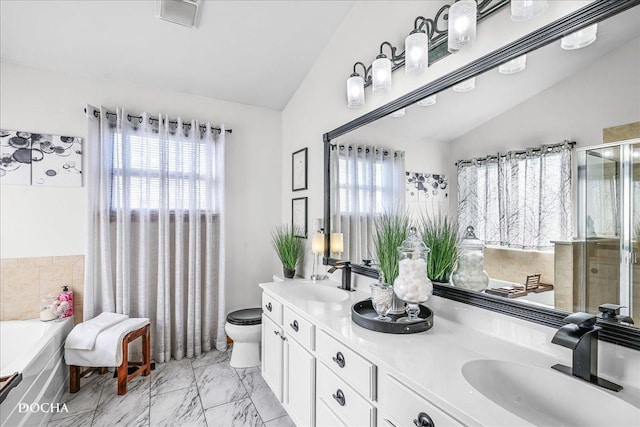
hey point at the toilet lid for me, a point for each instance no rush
(246, 316)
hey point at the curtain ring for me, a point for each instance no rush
(140, 119)
(128, 117)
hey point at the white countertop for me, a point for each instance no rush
(432, 360)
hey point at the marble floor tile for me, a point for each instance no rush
(242, 372)
(171, 376)
(280, 422)
(79, 420)
(177, 408)
(131, 409)
(211, 357)
(219, 384)
(85, 400)
(240, 413)
(263, 398)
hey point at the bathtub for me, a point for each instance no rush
(36, 349)
(544, 298)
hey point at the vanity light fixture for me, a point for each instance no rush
(427, 43)
(463, 16)
(317, 248)
(416, 48)
(581, 38)
(355, 87)
(466, 85)
(514, 66)
(523, 10)
(381, 70)
(398, 113)
(429, 100)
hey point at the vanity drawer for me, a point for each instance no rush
(341, 399)
(299, 328)
(400, 406)
(355, 369)
(272, 308)
(325, 417)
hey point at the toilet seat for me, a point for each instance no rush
(245, 317)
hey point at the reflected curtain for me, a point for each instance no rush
(519, 200)
(366, 180)
(155, 219)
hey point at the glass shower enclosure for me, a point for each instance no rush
(608, 219)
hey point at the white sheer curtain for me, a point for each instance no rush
(366, 181)
(520, 200)
(155, 228)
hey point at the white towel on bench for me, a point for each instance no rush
(107, 351)
(83, 336)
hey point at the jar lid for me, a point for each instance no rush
(469, 240)
(413, 243)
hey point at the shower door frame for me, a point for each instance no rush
(627, 256)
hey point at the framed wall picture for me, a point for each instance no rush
(299, 170)
(299, 216)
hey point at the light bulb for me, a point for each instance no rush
(515, 65)
(416, 46)
(381, 74)
(581, 38)
(466, 85)
(355, 91)
(429, 100)
(463, 16)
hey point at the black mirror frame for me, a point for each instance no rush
(596, 11)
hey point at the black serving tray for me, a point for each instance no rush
(363, 314)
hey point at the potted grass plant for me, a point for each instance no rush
(289, 248)
(390, 231)
(440, 233)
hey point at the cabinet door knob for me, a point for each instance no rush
(294, 325)
(269, 307)
(424, 420)
(339, 359)
(339, 397)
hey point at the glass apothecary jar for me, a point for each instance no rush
(412, 285)
(469, 273)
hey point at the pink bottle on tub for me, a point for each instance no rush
(64, 303)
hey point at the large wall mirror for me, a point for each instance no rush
(562, 101)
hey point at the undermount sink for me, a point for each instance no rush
(320, 293)
(546, 397)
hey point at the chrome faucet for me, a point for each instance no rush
(345, 266)
(580, 334)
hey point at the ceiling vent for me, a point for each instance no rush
(183, 12)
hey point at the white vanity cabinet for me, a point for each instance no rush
(288, 366)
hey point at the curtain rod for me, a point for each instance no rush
(516, 152)
(151, 120)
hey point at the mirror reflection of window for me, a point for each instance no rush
(369, 182)
(521, 199)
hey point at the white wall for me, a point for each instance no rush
(319, 104)
(605, 94)
(38, 221)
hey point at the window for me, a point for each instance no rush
(136, 172)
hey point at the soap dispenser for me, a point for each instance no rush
(469, 273)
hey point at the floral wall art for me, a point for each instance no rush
(426, 193)
(40, 159)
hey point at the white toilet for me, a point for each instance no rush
(244, 327)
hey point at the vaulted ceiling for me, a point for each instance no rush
(251, 52)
